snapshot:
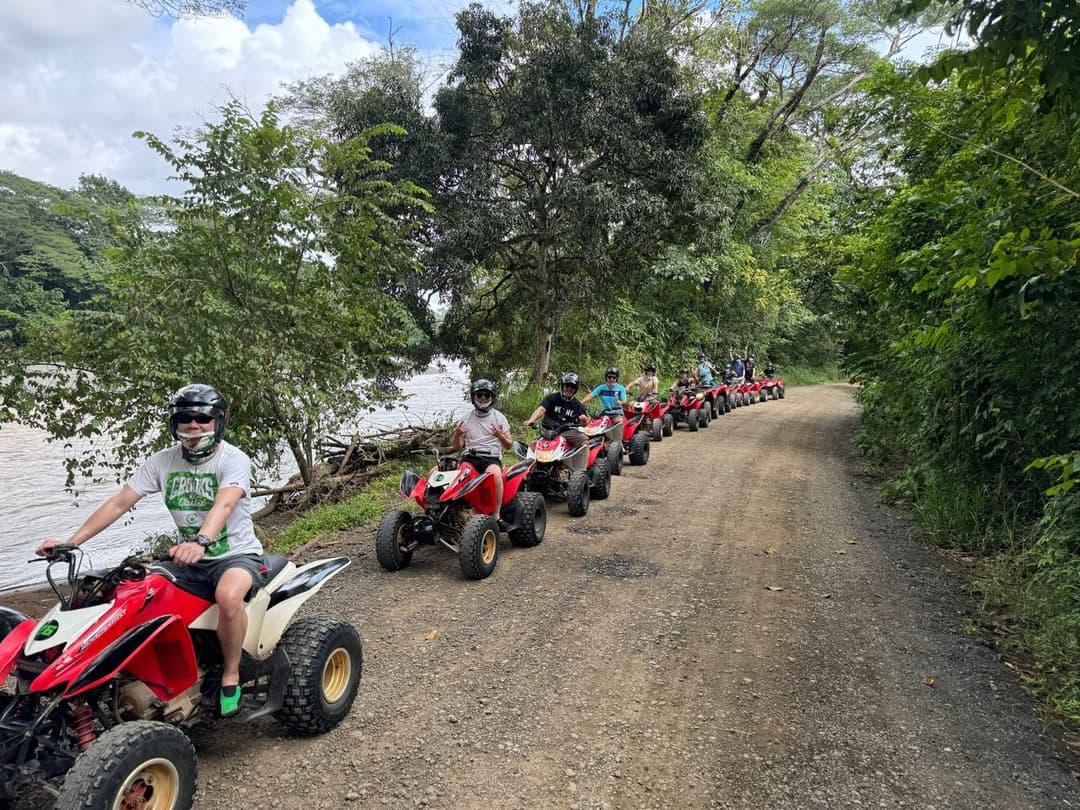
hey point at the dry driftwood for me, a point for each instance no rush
(350, 463)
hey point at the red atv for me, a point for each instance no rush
(460, 513)
(95, 692)
(688, 406)
(605, 426)
(716, 398)
(772, 387)
(558, 473)
(636, 437)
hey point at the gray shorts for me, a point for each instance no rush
(202, 577)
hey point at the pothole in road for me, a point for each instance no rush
(621, 567)
(578, 528)
(621, 510)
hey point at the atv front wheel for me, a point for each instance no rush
(326, 657)
(704, 417)
(614, 457)
(691, 421)
(141, 763)
(531, 519)
(639, 449)
(394, 531)
(577, 493)
(479, 549)
(601, 479)
(657, 430)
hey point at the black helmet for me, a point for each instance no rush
(204, 399)
(651, 368)
(611, 370)
(483, 385)
(570, 378)
(684, 372)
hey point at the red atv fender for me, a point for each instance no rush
(158, 652)
(514, 477)
(630, 426)
(11, 645)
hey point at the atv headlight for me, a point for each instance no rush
(544, 455)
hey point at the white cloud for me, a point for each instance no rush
(78, 78)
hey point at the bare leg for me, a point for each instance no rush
(232, 621)
(496, 472)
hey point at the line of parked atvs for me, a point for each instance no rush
(457, 502)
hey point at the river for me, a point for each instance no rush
(36, 506)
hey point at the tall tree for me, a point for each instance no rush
(572, 143)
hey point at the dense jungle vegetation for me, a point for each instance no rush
(591, 185)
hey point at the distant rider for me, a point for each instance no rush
(648, 384)
(684, 381)
(206, 484)
(750, 366)
(705, 371)
(612, 395)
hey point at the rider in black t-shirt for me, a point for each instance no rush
(563, 409)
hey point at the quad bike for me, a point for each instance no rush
(96, 692)
(656, 423)
(716, 398)
(688, 406)
(559, 473)
(635, 436)
(772, 387)
(460, 513)
(605, 426)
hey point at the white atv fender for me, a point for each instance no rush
(273, 606)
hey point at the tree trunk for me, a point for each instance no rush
(547, 317)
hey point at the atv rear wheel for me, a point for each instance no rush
(141, 763)
(326, 658)
(704, 417)
(714, 408)
(479, 549)
(639, 449)
(531, 519)
(394, 531)
(601, 479)
(781, 390)
(669, 424)
(577, 493)
(691, 421)
(614, 458)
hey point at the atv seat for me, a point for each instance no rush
(271, 567)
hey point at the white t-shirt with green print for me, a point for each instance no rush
(190, 490)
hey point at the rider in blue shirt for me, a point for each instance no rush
(738, 366)
(705, 371)
(612, 395)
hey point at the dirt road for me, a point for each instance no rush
(741, 625)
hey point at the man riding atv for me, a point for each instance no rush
(562, 409)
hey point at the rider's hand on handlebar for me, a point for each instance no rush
(186, 553)
(48, 545)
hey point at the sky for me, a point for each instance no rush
(78, 77)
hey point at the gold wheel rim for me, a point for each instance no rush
(488, 546)
(154, 785)
(336, 674)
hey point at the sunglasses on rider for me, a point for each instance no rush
(482, 395)
(201, 418)
(612, 377)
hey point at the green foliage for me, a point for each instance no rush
(50, 248)
(1038, 584)
(265, 280)
(379, 495)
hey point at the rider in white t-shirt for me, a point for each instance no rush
(206, 484)
(483, 434)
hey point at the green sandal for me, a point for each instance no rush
(230, 700)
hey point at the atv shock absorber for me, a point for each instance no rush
(82, 722)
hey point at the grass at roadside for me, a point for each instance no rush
(806, 375)
(352, 512)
